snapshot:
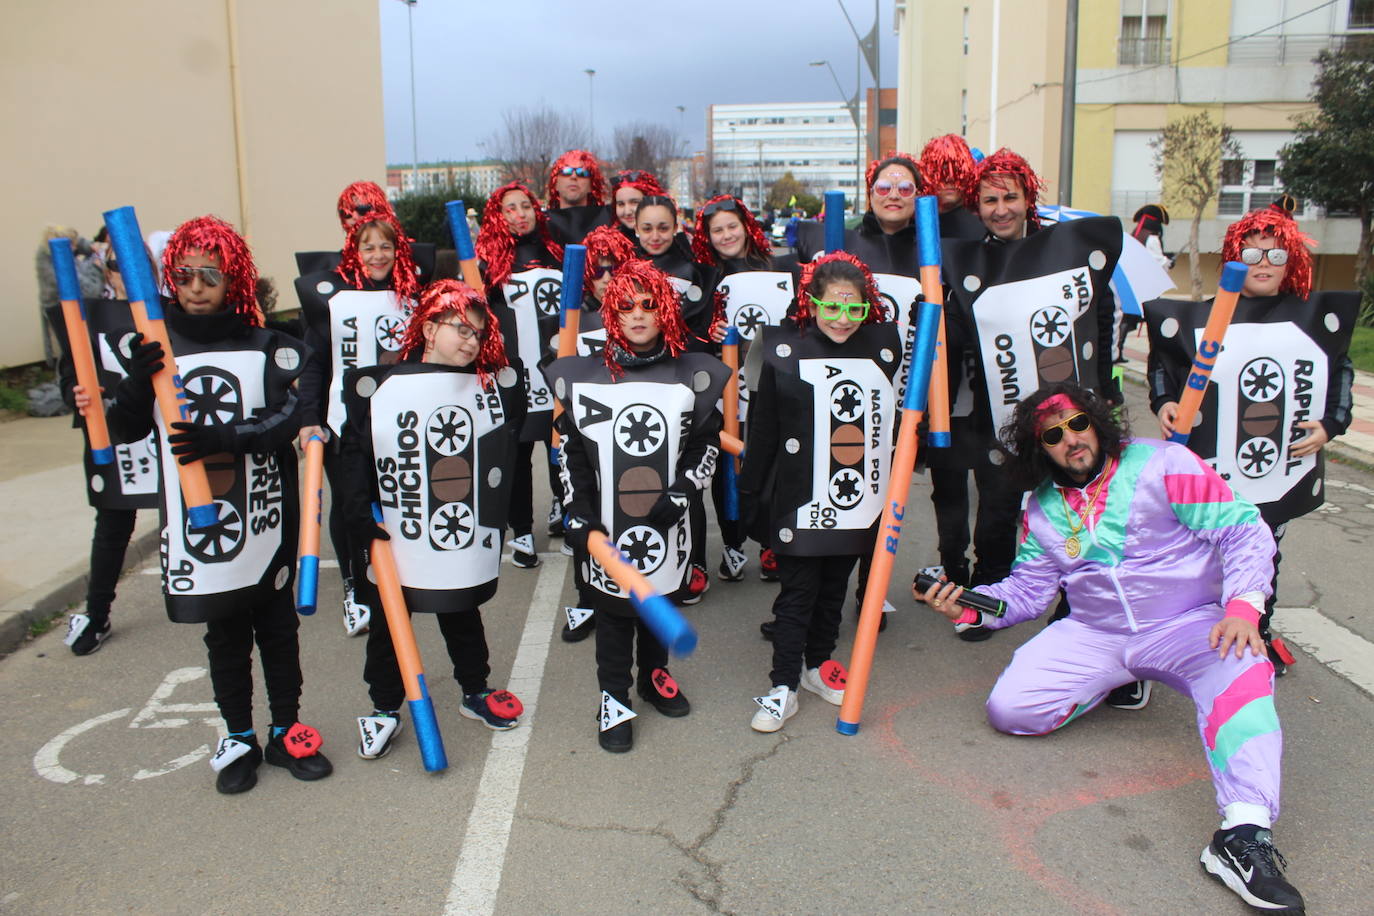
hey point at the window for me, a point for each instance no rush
(1361, 14)
(1144, 33)
(1249, 184)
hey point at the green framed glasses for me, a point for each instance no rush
(831, 311)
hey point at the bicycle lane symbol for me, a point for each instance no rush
(156, 713)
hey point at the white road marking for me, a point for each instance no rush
(1346, 653)
(477, 876)
(46, 760)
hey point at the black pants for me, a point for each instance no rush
(109, 542)
(994, 534)
(807, 613)
(464, 637)
(338, 527)
(1278, 532)
(229, 642)
(615, 652)
(520, 520)
(731, 531)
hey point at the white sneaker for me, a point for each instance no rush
(375, 733)
(522, 552)
(812, 680)
(357, 617)
(774, 709)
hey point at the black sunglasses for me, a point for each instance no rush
(712, 209)
(623, 177)
(360, 209)
(568, 171)
(1053, 435)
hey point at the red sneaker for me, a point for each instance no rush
(697, 585)
(768, 565)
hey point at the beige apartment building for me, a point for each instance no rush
(258, 111)
(993, 70)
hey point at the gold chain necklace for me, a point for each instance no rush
(1072, 546)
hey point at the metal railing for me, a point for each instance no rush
(1280, 49)
(1142, 52)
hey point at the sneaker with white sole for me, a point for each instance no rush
(357, 617)
(1135, 695)
(522, 552)
(85, 635)
(697, 584)
(375, 733)
(496, 709)
(779, 705)
(1243, 858)
(732, 563)
(826, 681)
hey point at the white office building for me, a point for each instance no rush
(751, 146)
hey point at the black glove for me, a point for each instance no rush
(145, 358)
(191, 441)
(575, 532)
(363, 531)
(667, 510)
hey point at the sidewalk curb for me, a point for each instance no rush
(64, 590)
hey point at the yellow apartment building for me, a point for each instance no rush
(993, 70)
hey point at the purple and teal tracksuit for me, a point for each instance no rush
(1165, 547)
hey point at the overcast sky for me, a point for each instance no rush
(475, 59)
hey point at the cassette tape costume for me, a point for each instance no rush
(431, 440)
(522, 268)
(816, 466)
(235, 576)
(640, 434)
(355, 316)
(1281, 386)
(117, 490)
(577, 197)
(1166, 569)
(1033, 307)
(754, 291)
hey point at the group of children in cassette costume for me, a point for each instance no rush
(431, 400)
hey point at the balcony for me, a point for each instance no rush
(1142, 52)
(1269, 50)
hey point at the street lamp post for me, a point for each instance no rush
(853, 106)
(591, 104)
(414, 121)
(734, 154)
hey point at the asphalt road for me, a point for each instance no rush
(110, 804)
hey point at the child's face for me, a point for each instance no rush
(841, 328)
(454, 340)
(639, 325)
(200, 283)
(600, 283)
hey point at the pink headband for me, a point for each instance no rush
(1053, 404)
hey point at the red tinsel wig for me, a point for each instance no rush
(213, 237)
(646, 181)
(403, 273)
(365, 192)
(609, 244)
(947, 162)
(999, 166)
(810, 286)
(905, 160)
(576, 157)
(444, 296)
(1277, 224)
(496, 246)
(635, 278)
(756, 242)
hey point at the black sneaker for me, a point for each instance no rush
(522, 552)
(1135, 695)
(767, 629)
(498, 710)
(586, 625)
(298, 750)
(662, 693)
(556, 520)
(85, 635)
(235, 763)
(768, 565)
(1279, 655)
(972, 632)
(1243, 858)
(620, 737)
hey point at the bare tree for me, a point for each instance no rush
(1188, 160)
(530, 139)
(644, 145)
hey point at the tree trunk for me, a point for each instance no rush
(1194, 258)
(1363, 251)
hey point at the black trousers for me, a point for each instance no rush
(520, 519)
(338, 528)
(731, 532)
(1278, 532)
(994, 533)
(616, 635)
(464, 637)
(109, 542)
(229, 643)
(807, 613)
